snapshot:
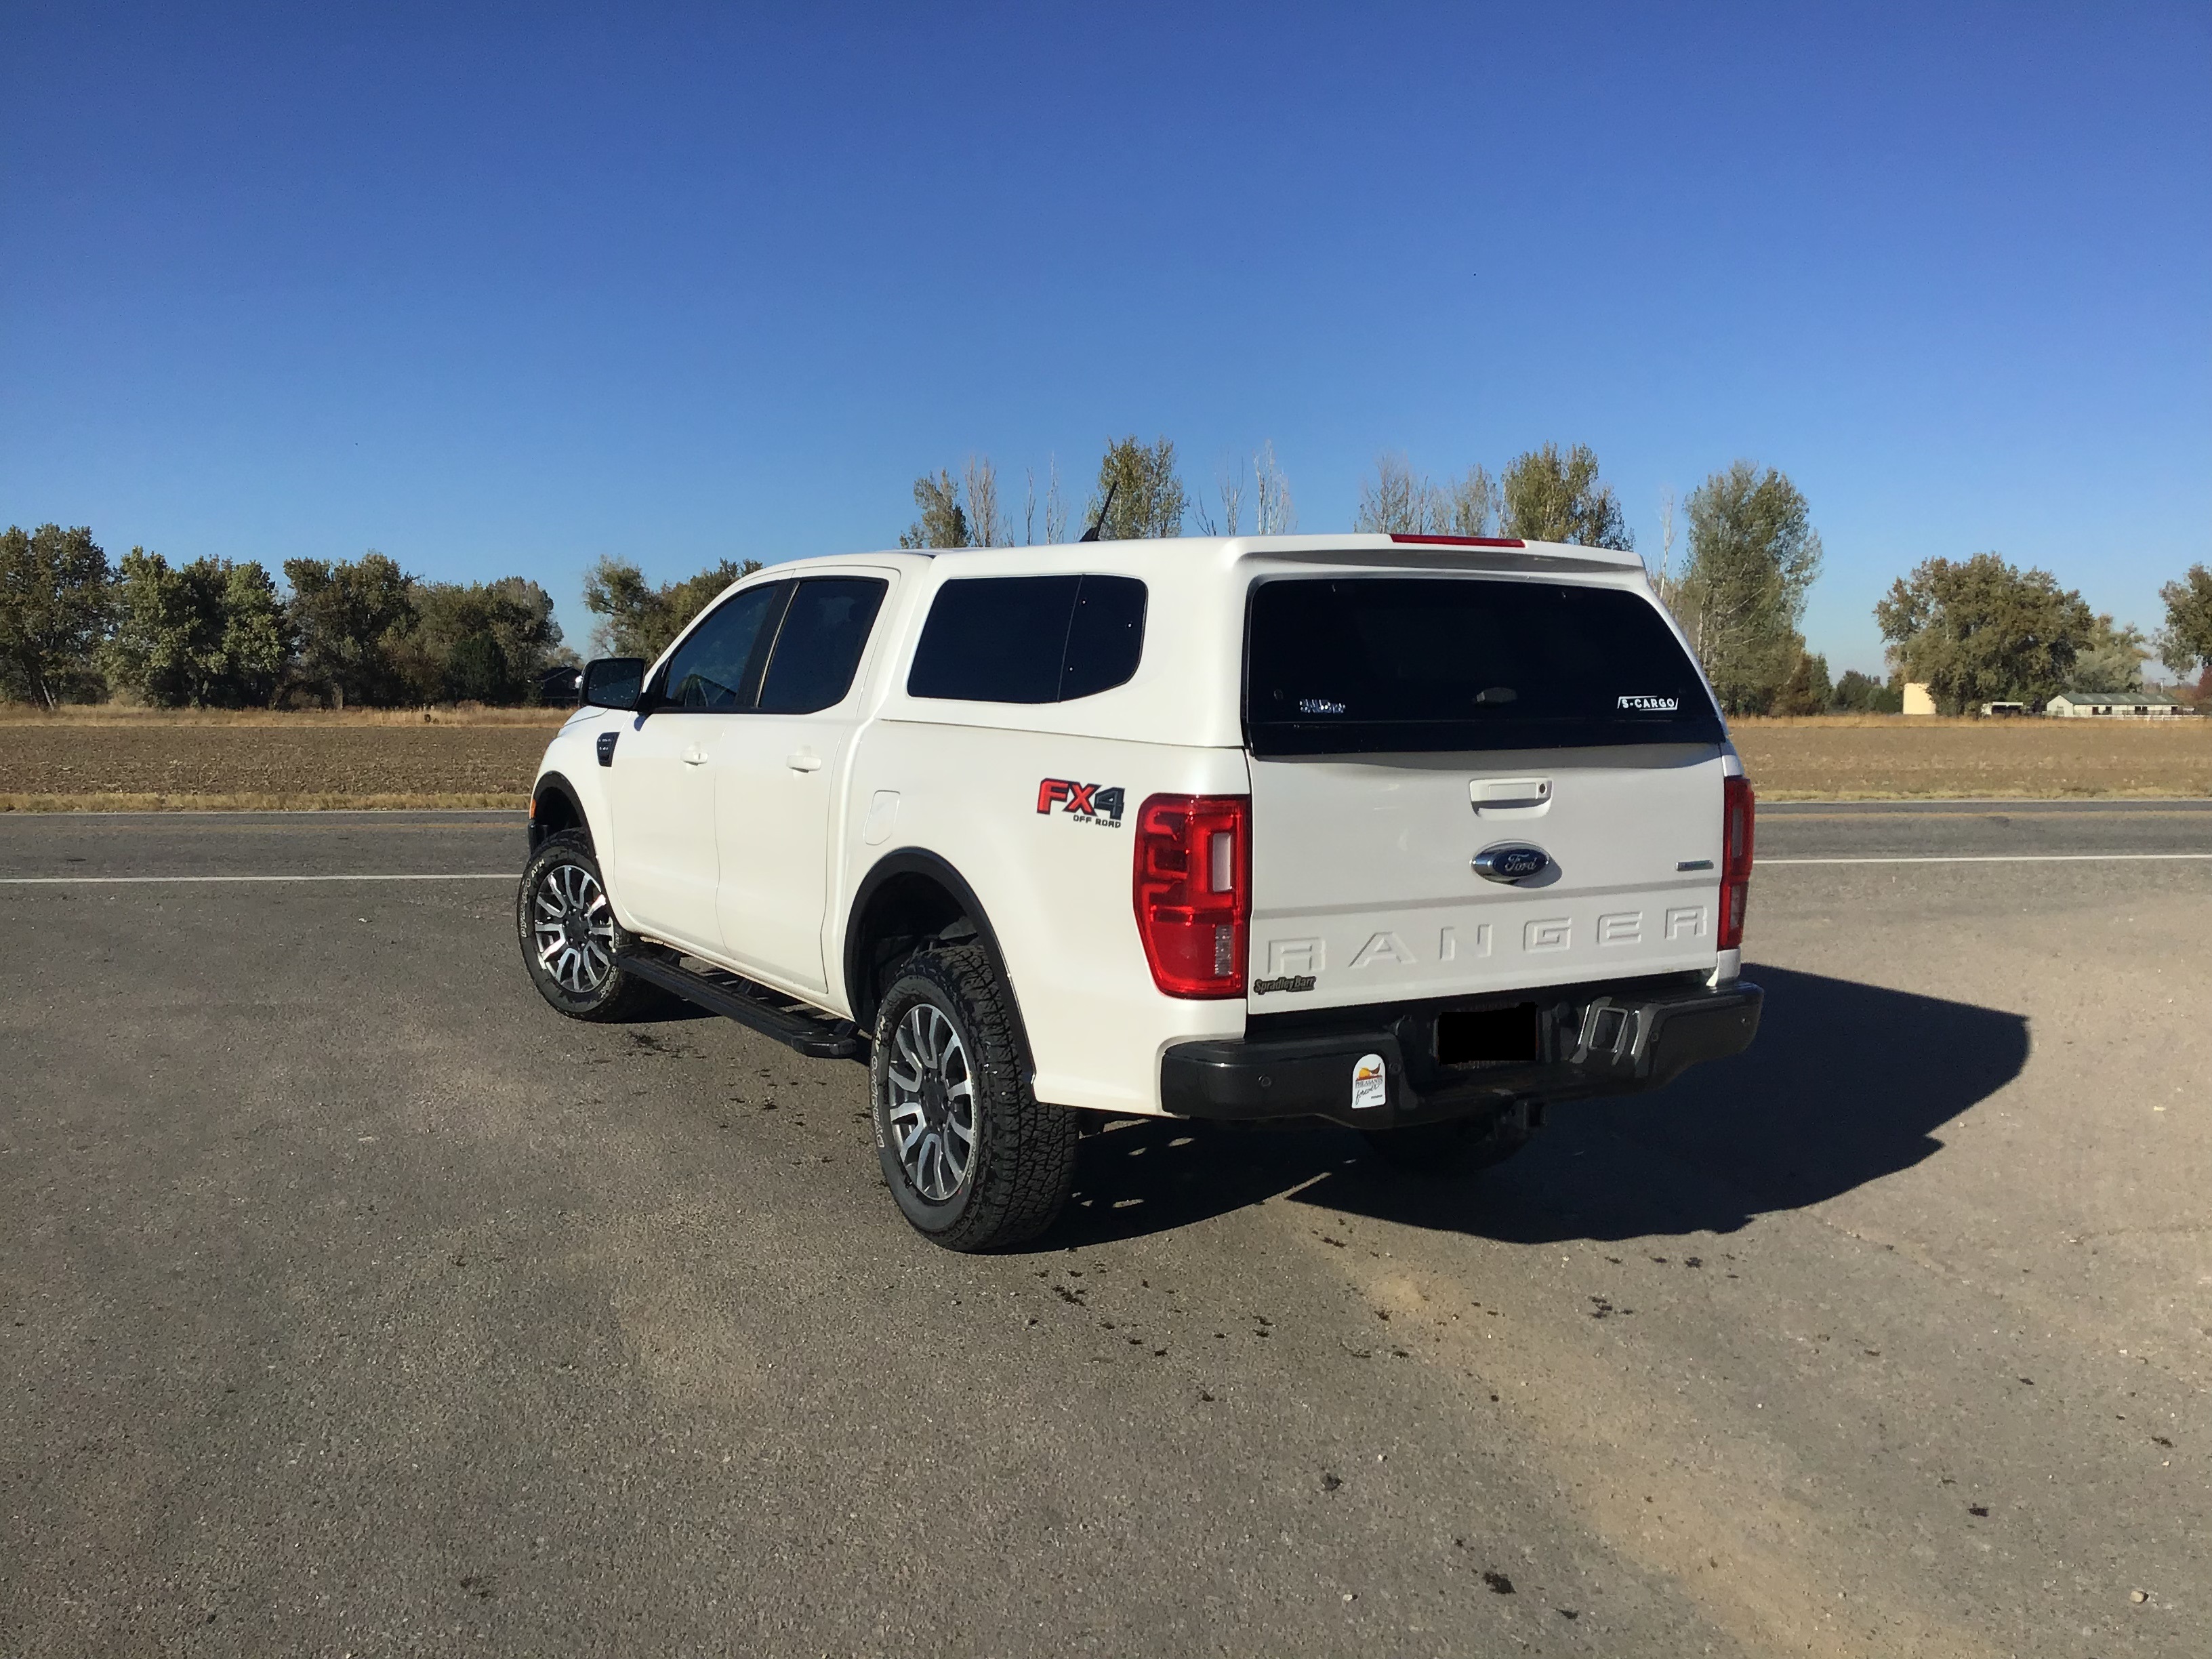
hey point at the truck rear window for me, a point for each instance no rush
(1365, 665)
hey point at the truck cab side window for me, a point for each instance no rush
(717, 668)
(818, 648)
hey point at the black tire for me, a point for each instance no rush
(567, 967)
(1020, 1153)
(1462, 1146)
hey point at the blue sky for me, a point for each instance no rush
(504, 289)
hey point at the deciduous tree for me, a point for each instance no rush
(639, 620)
(348, 617)
(209, 634)
(1548, 496)
(1273, 512)
(1752, 555)
(1147, 497)
(987, 521)
(54, 604)
(1979, 630)
(1862, 694)
(2185, 643)
(2110, 660)
(481, 641)
(1807, 689)
(1397, 501)
(944, 521)
(1267, 491)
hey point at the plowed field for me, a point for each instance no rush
(273, 762)
(122, 759)
(1882, 758)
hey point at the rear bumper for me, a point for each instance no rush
(1603, 1039)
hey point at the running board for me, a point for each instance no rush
(815, 1037)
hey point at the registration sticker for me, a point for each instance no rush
(1368, 1084)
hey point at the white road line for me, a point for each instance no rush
(142, 881)
(1996, 857)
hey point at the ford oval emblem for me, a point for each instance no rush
(1511, 861)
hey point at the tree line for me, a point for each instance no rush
(1974, 631)
(218, 633)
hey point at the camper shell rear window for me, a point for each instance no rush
(1420, 664)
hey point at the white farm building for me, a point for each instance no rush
(2113, 705)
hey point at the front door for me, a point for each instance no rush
(778, 778)
(666, 859)
(662, 802)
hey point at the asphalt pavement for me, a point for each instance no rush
(351, 1302)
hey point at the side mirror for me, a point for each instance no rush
(613, 683)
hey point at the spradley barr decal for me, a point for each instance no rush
(1651, 705)
(1086, 803)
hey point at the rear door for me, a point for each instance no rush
(1404, 727)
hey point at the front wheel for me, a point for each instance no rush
(974, 1159)
(570, 938)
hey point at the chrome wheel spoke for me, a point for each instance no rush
(574, 928)
(932, 1106)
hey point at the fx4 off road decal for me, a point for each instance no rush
(1086, 803)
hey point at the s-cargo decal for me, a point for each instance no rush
(1086, 803)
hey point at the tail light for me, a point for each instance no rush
(1738, 812)
(1193, 891)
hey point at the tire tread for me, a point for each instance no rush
(1026, 1148)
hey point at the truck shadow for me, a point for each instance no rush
(1847, 1082)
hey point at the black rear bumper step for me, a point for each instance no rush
(811, 1034)
(1607, 1038)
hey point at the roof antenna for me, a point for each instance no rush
(1104, 507)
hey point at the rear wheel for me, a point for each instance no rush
(1459, 1147)
(974, 1159)
(570, 937)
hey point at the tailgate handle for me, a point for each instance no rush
(1509, 791)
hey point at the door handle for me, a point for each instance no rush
(803, 763)
(695, 755)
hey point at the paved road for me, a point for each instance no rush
(350, 1301)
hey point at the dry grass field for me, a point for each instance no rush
(1889, 758)
(115, 759)
(111, 759)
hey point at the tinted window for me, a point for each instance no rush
(996, 639)
(1029, 638)
(819, 646)
(717, 666)
(1361, 664)
(1105, 637)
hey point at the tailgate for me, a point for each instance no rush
(1365, 889)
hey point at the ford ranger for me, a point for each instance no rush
(1422, 834)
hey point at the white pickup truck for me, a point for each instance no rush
(1419, 834)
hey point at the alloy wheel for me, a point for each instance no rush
(574, 928)
(932, 1104)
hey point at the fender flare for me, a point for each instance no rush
(553, 783)
(918, 861)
